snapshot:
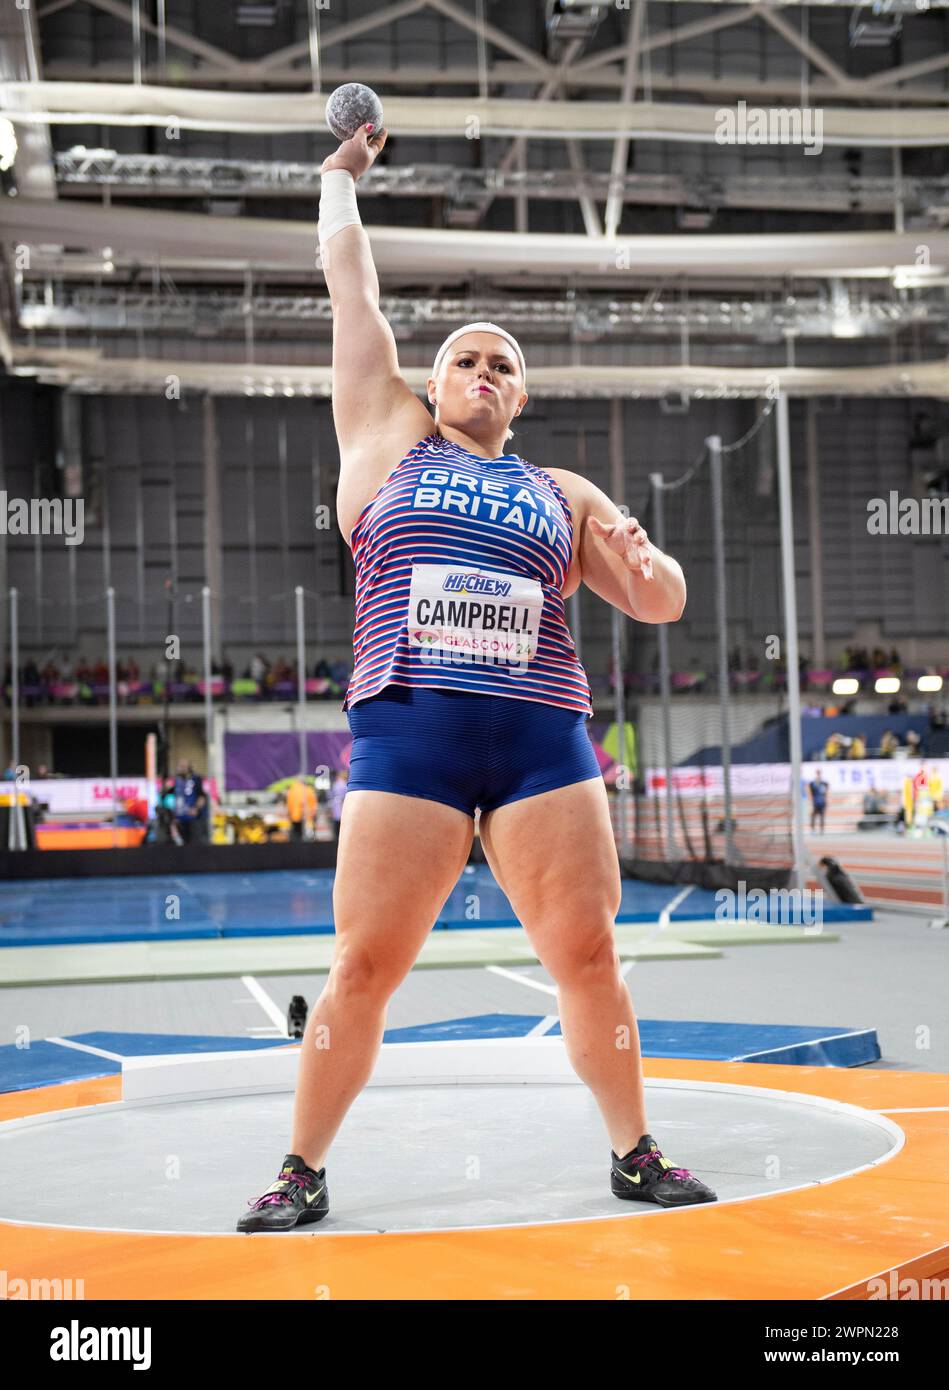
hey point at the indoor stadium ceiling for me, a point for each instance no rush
(628, 180)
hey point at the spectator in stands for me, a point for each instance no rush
(879, 658)
(301, 808)
(165, 830)
(42, 772)
(9, 774)
(858, 748)
(190, 804)
(935, 788)
(914, 743)
(818, 789)
(30, 679)
(837, 746)
(259, 666)
(897, 705)
(337, 797)
(937, 717)
(896, 665)
(888, 744)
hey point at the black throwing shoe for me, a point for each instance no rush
(645, 1176)
(298, 1196)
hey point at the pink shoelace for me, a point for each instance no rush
(642, 1159)
(275, 1197)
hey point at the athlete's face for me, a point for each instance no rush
(479, 384)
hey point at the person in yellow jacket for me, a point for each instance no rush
(301, 806)
(908, 802)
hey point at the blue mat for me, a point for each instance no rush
(47, 1063)
(788, 1044)
(60, 912)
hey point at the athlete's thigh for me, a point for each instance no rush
(555, 858)
(398, 859)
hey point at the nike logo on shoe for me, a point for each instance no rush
(310, 1199)
(630, 1177)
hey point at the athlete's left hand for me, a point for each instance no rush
(627, 538)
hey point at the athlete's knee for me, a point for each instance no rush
(580, 956)
(361, 972)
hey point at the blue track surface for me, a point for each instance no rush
(53, 912)
(47, 1063)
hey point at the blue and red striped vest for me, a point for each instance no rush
(460, 562)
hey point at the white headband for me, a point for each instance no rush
(479, 328)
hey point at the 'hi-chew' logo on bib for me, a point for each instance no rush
(471, 615)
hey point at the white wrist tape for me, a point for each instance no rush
(337, 204)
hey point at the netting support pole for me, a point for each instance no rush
(624, 799)
(665, 677)
(790, 637)
(714, 446)
(16, 829)
(113, 708)
(625, 791)
(208, 678)
(301, 680)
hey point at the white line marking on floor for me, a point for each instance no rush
(85, 1047)
(265, 1002)
(669, 908)
(661, 924)
(522, 979)
(546, 1022)
(916, 1110)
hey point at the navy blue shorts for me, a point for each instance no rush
(465, 749)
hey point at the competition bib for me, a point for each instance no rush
(474, 614)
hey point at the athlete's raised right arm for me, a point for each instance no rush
(372, 404)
